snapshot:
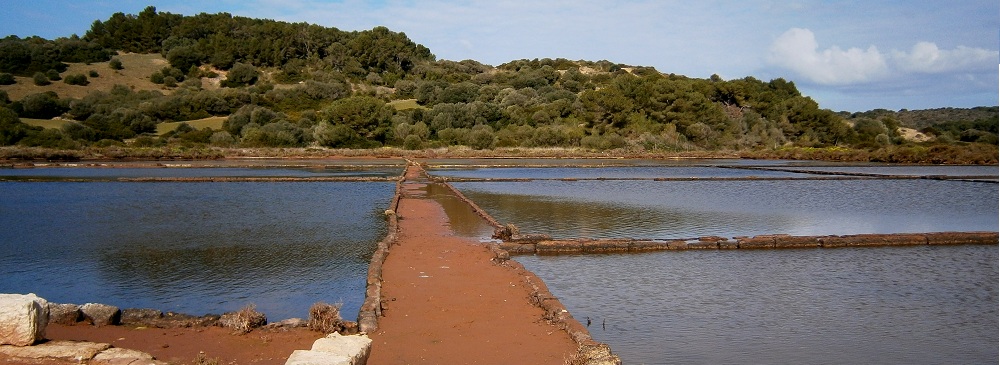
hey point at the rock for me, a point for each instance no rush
(101, 314)
(305, 357)
(23, 318)
(72, 350)
(117, 356)
(288, 323)
(334, 349)
(64, 313)
(140, 316)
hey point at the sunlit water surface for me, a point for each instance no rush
(686, 209)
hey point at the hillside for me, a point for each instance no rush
(278, 84)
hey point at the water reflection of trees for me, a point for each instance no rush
(463, 221)
(236, 265)
(565, 218)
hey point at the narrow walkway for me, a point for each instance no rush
(446, 302)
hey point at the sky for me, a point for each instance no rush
(846, 55)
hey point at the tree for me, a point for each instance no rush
(183, 57)
(12, 129)
(42, 105)
(370, 117)
(241, 75)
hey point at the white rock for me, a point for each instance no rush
(119, 356)
(355, 347)
(305, 357)
(23, 318)
(70, 350)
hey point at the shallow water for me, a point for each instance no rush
(686, 209)
(193, 248)
(134, 172)
(883, 305)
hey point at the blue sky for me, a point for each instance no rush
(847, 55)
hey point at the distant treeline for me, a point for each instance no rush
(296, 84)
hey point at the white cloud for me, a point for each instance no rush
(798, 50)
(926, 57)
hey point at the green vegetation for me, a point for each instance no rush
(217, 80)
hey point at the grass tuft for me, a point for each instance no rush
(326, 318)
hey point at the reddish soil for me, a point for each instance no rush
(446, 302)
(187, 345)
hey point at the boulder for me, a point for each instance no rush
(23, 318)
(140, 316)
(77, 351)
(64, 313)
(101, 314)
(119, 356)
(356, 347)
(306, 357)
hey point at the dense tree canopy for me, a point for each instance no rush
(296, 84)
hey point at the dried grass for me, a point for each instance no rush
(243, 320)
(326, 318)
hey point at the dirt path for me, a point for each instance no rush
(446, 302)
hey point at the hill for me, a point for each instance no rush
(279, 84)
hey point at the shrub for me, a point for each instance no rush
(116, 64)
(76, 79)
(243, 320)
(93, 73)
(40, 79)
(7, 79)
(53, 75)
(222, 139)
(169, 81)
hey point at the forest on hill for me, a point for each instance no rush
(280, 84)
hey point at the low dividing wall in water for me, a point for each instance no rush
(755, 242)
(371, 308)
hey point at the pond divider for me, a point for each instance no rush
(545, 246)
(371, 308)
(975, 178)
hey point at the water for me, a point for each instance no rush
(883, 305)
(193, 248)
(98, 173)
(685, 209)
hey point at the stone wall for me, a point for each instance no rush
(771, 241)
(371, 308)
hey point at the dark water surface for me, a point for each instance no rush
(194, 248)
(135, 172)
(882, 305)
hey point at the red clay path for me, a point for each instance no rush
(446, 302)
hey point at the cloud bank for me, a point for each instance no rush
(797, 50)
